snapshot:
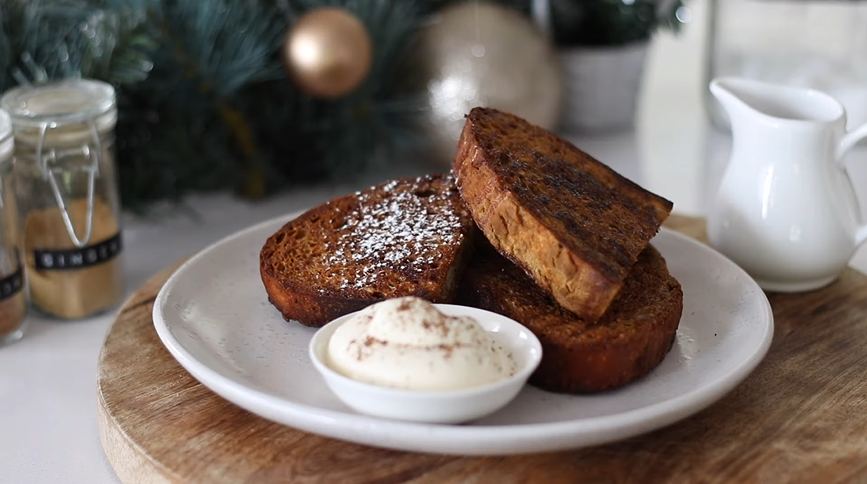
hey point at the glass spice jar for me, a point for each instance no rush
(67, 195)
(13, 304)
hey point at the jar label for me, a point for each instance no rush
(12, 284)
(78, 258)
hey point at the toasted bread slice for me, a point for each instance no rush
(580, 356)
(407, 237)
(573, 224)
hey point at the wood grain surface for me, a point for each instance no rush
(801, 417)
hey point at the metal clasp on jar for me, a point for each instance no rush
(49, 172)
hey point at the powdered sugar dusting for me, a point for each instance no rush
(405, 226)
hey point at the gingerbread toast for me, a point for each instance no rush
(573, 224)
(400, 238)
(581, 356)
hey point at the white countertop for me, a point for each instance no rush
(48, 429)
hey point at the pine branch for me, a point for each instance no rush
(204, 101)
(228, 43)
(44, 40)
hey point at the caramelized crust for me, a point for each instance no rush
(401, 238)
(581, 356)
(571, 223)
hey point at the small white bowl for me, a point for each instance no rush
(445, 407)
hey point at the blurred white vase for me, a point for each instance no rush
(601, 86)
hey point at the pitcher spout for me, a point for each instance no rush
(730, 98)
(747, 99)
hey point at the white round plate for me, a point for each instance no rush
(214, 317)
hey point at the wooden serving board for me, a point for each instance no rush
(800, 417)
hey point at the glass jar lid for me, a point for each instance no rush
(61, 113)
(5, 137)
(63, 102)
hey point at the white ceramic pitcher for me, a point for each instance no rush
(785, 210)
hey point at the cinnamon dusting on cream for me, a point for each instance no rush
(408, 343)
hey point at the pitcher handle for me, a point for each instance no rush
(849, 140)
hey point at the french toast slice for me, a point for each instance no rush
(406, 237)
(570, 222)
(581, 356)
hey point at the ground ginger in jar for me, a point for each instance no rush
(65, 281)
(13, 299)
(13, 310)
(69, 208)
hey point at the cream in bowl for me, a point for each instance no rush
(408, 359)
(408, 343)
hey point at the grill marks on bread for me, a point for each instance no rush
(574, 225)
(403, 237)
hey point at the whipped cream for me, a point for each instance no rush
(408, 343)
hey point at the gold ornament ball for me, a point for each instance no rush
(483, 54)
(328, 52)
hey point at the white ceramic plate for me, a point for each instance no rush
(214, 317)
